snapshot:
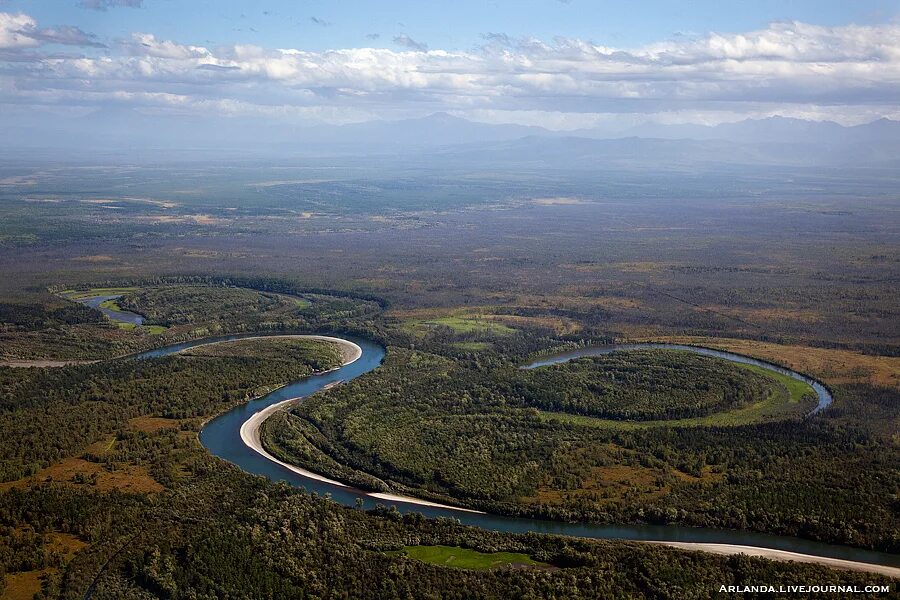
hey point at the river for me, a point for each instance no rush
(123, 316)
(221, 436)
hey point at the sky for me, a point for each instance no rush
(556, 63)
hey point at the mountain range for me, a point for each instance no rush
(774, 140)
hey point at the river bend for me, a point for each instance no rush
(222, 437)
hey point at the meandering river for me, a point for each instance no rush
(123, 316)
(221, 436)
(824, 396)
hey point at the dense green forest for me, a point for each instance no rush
(645, 385)
(228, 308)
(32, 316)
(49, 414)
(221, 533)
(319, 356)
(51, 326)
(450, 429)
(144, 511)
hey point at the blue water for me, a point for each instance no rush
(116, 315)
(221, 437)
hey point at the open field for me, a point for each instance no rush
(468, 325)
(149, 329)
(150, 424)
(460, 322)
(111, 304)
(472, 346)
(487, 320)
(464, 558)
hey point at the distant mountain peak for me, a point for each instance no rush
(444, 117)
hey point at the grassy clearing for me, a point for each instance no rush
(149, 329)
(462, 324)
(796, 388)
(613, 483)
(479, 319)
(24, 585)
(471, 324)
(790, 398)
(463, 558)
(111, 304)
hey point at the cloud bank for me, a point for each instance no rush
(849, 73)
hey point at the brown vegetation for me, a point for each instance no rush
(833, 366)
(150, 424)
(78, 471)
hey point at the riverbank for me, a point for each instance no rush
(250, 429)
(350, 352)
(248, 424)
(784, 555)
(250, 437)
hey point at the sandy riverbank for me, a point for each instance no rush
(784, 555)
(250, 436)
(350, 352)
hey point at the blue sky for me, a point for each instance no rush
(451, 25)
(559, 64)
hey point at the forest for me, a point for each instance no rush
(106, 488)
(188, 525)
(495, 300)
(49, 414)
(643, 386)
(221, 533)
(450, 430)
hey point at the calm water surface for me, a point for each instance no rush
(122, 316)
(221, 437)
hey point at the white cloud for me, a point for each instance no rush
(785, 68)
(21, 31)
(146, 44)
(13, 28)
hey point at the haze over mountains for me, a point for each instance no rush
(770, 141)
